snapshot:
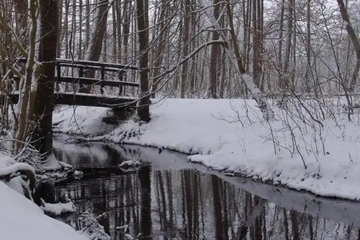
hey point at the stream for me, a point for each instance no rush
(170, 198)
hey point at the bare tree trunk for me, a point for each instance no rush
(73, 30)
(115, 25)
(162, 30)
(214, 55)
(87, 35)
(308, 47)
(186, 38)
(66, 28)
(235, 59)
(256, 43)
(286, 79)
(94, 48)
(118, 43)
(143, 33)
(61, 33)
(280, 53)
(126, 29)
(22, 128)
(21, 10)
(355, 41)
(223, 74)
(80, 52)
(44, 100)
(93, 51)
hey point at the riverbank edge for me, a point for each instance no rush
(84, 138)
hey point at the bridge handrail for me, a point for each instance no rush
(107, 66)
(82, 65)
(85, 63)
(96, 81)
(107, 69)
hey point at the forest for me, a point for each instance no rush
(264, 89)
(186, 49)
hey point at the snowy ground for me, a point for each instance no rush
(22, 219)
(230, 135)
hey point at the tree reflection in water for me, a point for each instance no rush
(191, 204)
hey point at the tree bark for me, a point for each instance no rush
(143, 110)
(22, 126)
(235, 59)
(214, 55)
(21, 8)
(280, 52)
(355, 41)
(44, 99)
(286, 80)
(94, 48)
(93, 51)
(308, 47)
(186, 38)
(162, 30)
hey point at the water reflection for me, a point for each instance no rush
(167, 200)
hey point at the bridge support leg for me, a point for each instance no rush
(120, 114)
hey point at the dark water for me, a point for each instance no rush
(170, 198)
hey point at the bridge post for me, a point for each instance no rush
(58, 78)
(3, 70)
(121, 78)
(102, 79)
(81, 74)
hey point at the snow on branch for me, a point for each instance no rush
(17, 169)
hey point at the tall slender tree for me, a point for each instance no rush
(214, 55)
(143, 33)
(44, 99)
(355, 41)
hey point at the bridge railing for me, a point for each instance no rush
(73, 72)
(122, 76)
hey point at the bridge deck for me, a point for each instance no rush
(85, 99)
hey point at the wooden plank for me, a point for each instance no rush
(92, 100)
(95, 81)
(73, 62)
(86, 100)
(108, 69)
(92, 81)
(97, 64)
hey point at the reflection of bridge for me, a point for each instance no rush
(72, 75)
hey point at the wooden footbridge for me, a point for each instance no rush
(110, 84)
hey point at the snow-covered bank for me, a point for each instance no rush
(231, 135)
(22, 219)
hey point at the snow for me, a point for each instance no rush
(21, 218)
(7, 164)
(130, 163)
(16, 167)
(56, 209)
(231, 136)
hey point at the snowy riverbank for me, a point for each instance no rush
(230, 135)
(22, 219)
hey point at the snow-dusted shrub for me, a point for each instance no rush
(92, 228)
(18, 176)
